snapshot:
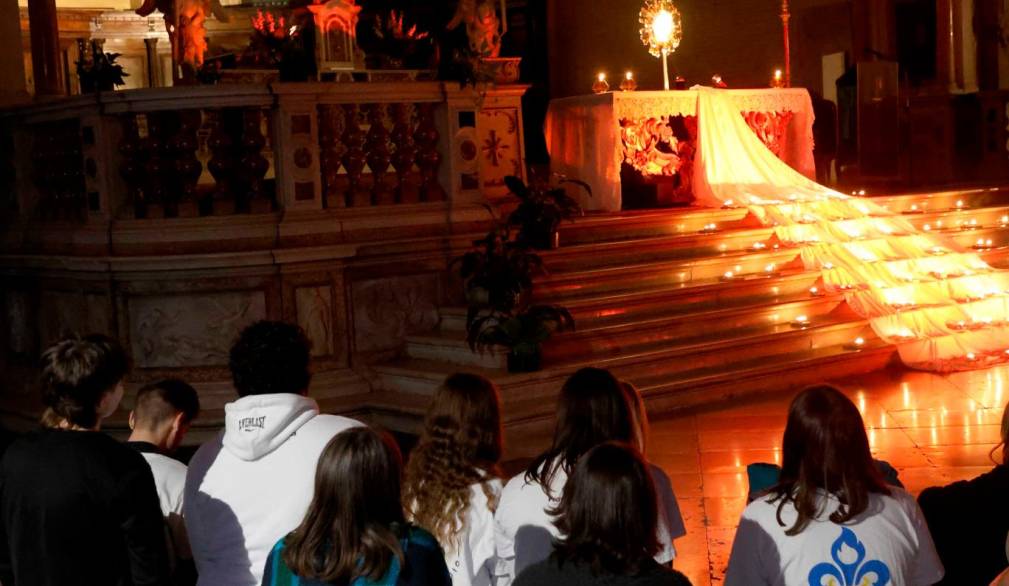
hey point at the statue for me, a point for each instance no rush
(184, 21)
(483, 27)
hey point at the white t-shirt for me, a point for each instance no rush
(887, 545)
(472, 564)
(524, 531)
(170, 480)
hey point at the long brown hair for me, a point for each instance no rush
(353, 526)
(593, 408)
(460, 446)
(825, 448)
(608, 512)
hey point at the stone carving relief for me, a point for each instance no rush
(62, 313)
(20, 334)
(387, 310)
(315, 316)
(190, 330)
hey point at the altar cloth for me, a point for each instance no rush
(583, 133)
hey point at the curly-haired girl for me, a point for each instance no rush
(452, 485)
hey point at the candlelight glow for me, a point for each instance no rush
(662, 26)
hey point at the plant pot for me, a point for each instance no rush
(524, 362)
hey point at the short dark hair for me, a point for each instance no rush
(76, 372)
(593, 408)
(825, 448)
(608, 512)
(161, 401)
(270, 357)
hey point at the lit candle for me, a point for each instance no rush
(828, 265)
(800, 321)
(927, 227)
(814, 291)
(600, 86)
(859, 341)
(728, 275)
(628, 84)
(769, 268)
(914, 208)
(1005, 220)
(971, 356)
(959, 204)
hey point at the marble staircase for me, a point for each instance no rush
(651, 301)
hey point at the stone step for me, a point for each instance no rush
(422, 376)
(610, 227)
(643, 333)
(678, 299)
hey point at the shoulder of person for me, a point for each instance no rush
(546, 571)
(166, 463)
(421, 538)
(330, 425)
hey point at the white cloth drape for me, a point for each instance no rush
(944, 308)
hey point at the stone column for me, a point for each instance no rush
(12, 68)
(46, 59)
(153, 63)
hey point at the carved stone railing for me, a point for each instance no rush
(254, 149)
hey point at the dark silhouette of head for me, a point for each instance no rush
(352, 526)
(78, 376)
(825, 448)
(608, 512)
(271, 357)
(593, 408)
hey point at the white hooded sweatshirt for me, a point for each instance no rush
(253, 484)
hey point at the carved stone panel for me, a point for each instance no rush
(500, 148)
(62, 313)
(387, 310)
(21, 332)
(190, 330)
(315, 316)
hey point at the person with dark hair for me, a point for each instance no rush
(969, 520)
(78, 507)
(608, 516)
(453, 482)
(354, 532)
(831, 517)
(251, 486)
(161, 416)
(593, 408)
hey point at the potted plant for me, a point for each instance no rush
(398, 46)
(522, 332)
(98, 70)
(542, 207)
(497, 272)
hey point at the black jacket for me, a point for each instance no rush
(969, 521)
(79, 509)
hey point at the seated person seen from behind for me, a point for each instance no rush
(161, 416)
(969, 520)
(831, 518)
(452, 483)
(252, 484)
(77, 507)
(354, 531)
(607, 516)
(593, 408)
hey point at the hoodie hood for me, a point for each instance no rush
(256, 425)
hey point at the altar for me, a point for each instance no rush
(654, 134)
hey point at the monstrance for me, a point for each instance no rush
(661, 31)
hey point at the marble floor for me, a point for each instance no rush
(933, 429)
